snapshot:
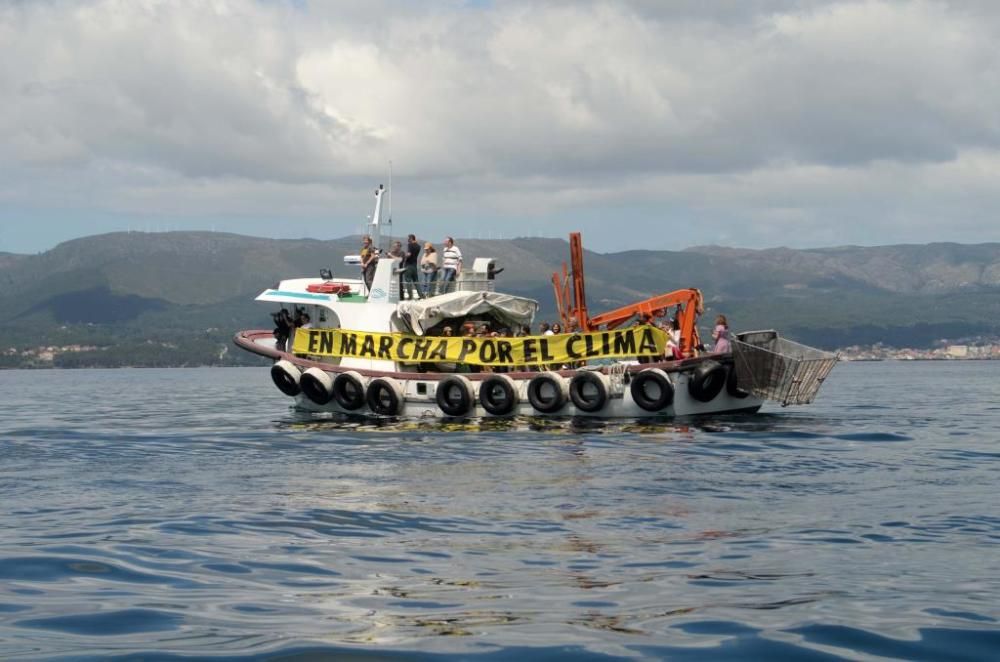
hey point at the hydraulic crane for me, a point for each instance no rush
(571, 303)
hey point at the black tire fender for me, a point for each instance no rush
(589, 391)
(547, 392)
(317, 385)
(349, 390)
(285, 376)
(454, 395)
(498, 395)
(652, 389)
(706, 381)
(385, 396)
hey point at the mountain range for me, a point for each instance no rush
(176, 298)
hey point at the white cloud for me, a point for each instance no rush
(803, 123)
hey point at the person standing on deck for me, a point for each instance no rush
(429, 269)
(720, 334)
(452, 267)
(397, 252)
(410, 268)
(369, 259)
(674, 340)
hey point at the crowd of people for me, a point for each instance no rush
(432, 274)
(420, 276)
(424, 272)
(671, 327)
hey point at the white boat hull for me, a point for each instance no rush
(418, 391)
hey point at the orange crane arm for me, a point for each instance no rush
(560, 286)
(692, 305)
(572, 305)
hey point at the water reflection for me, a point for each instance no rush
(580, 425)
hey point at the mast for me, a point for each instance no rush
(579, 311)
(375, 226)
(572, 306)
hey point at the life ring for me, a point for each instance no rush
(733, 386)
(329, 287)
(498, 395)
(285, 376)
(652, 389)
(706, 381)
(547, 392)
(349, 390)
(589, 390)
(385, 396)
(317, 385)
(454, 395)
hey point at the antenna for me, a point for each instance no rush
(388, 190)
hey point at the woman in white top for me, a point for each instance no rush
(428, 269)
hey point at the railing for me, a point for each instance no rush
(463, 284)
(478, 284)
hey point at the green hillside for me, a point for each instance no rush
(176, 298)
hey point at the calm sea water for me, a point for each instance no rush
(190, 513)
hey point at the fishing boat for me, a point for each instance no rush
(369, 351)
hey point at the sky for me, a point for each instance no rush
(643, 124)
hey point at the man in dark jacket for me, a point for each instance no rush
(410, 267)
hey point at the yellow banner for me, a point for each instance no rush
(527, 350)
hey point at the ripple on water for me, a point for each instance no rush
(873, 436)
(60, 569)
(928, 644)
(112, 623)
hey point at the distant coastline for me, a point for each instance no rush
(83, 356)
(982, 351)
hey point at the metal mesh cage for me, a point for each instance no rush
(781, 370)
